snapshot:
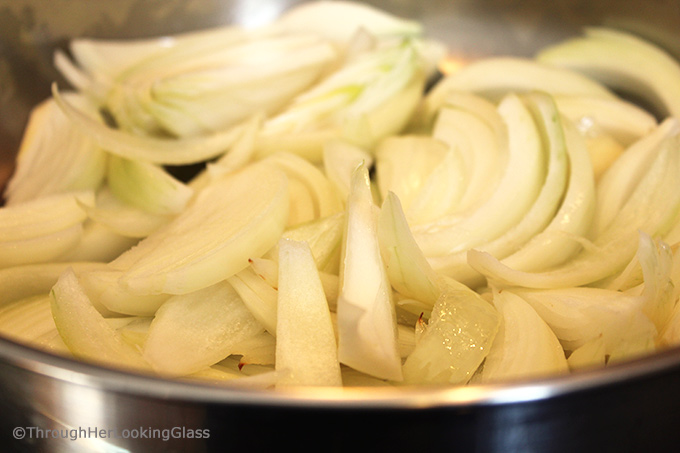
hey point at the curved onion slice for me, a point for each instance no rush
(340, 20)
(43, 229)
(147, 186)
(192, 331)
(258, 295)
(623, 120)
(496, 77)
(316, 196)
(339, 161)
(515, 193)
(123, 219)
(651, 208)
(237, 218)
(623, 62)
(86, 332)
(561, 154)
(154, 150)
(525, 346)
(364, 101)
(407, 268)
(55, 156)
(425, 174)
(475, 129)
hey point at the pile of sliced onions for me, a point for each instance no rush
(520, 219)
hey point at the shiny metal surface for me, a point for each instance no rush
(622, 408)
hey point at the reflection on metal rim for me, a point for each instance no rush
(413, 398)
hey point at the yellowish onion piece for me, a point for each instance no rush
(147, 186)
(30, 280)
(85, 331)
(42, 229)
(555, 244)
(651, 207)
(258, 295)
(513, 196)
(98, 243)
(589, 355)
(423, 173)
(407, 268)
(97, 63)
(371, 97)
(565, 202)
(122, 218)
(624, 121)
(192, 331)
(104, 288)
(339, 161)
(312, 195)
(207, 92)
(324, 237)
(618, 182)
(151, 149)
(233, 220)
(474, 128)
(624, 62)
(525, 346)
(29, 321)
(305, 336)
(54, 155)
(340, 20)
(496, 77)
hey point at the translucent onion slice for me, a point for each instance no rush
(581, 314)
(458, 337)
(122, 218)
(22, 282)
(324, 237)
(210, 91)
(364, 101)
(574, 218)
(43, 229)
(104, 287)
(339, 161)
(98, 243)
(618, 182)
